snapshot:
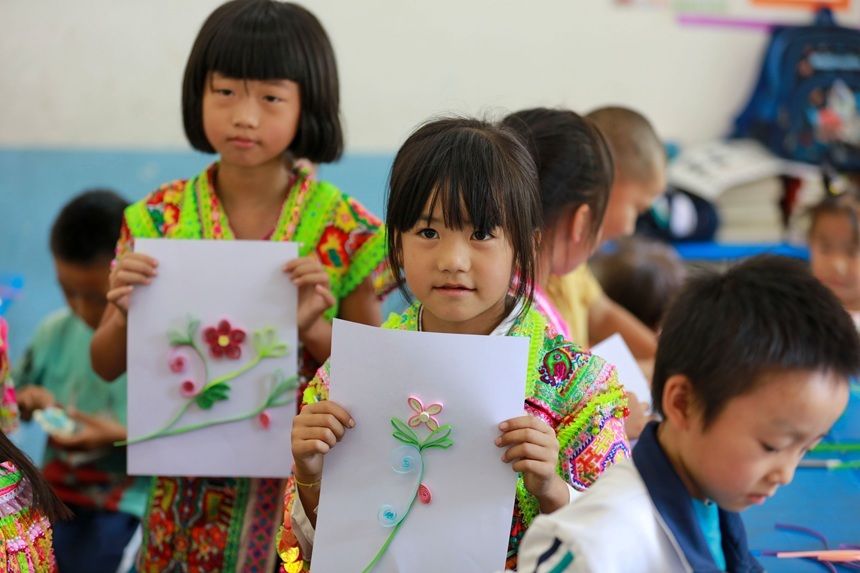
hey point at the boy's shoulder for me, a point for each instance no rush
(60, 324)
(612, 526)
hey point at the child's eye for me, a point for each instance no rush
(223, 91)
(428, 233)
(482, 236)
(272, 99)
(769, 449)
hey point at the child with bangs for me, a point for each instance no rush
(464, 217)
(260, 90)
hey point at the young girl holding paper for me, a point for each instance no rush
(260, 90)
(463, 216)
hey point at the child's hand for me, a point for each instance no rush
(132, 269)
(315, 297)
(533, 448)
(32, 398)
(94, 432)
(316, 430)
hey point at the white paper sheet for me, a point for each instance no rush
(243, 282)
(615, 351)
(480, 380)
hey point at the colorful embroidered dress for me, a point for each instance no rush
(576, 393)
(25, 536)
(225, 525)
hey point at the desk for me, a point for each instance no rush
(721, 252)
(827, 501)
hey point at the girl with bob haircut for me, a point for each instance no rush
(463, 217)
(261, 91)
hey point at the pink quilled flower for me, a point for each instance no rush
(423, 415)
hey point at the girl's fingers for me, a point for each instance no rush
(124, 278)
(317, 433)
(533, 467)
(327, 296)
(117, 293)
(529, 452)
(526, 421)
(524, 435)
(311, 278)
(323, 421)
(329, 407)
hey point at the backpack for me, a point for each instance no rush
(806, 102)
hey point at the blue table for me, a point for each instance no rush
(827, 501)
(718, 252)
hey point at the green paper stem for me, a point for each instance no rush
(235, 374)
(394, 531)
(269, 402)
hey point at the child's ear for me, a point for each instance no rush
(679, 403)
(580, 224)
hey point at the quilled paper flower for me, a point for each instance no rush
(423, 415)
(224, 340)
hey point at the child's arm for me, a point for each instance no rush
(532, 446)
(95, 432)
(108, 347)
(316, 430)
(606, 317)
(315, 297)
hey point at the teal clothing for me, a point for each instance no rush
(59, 360)
(708, 516)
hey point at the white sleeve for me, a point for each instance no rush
(302, 528)
(542, 551)
(573, 493)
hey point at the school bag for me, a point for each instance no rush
(806, 102)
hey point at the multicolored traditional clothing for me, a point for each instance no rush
(575, 393)
(638, 518)
(225, 525)
(25, 535)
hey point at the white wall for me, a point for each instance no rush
(105, 73)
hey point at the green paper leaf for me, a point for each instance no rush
(176, 338)
(439, 438)
(405, 431)
(216, 393)
(193, 326)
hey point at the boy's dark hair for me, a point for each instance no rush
(642, 275)
(480, 174)
(268, 40)
(847, 204)
(635, 146)
(573, 161)
(87, 228)
(767, 314)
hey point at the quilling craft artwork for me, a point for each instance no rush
(407, 459)
(224, 341)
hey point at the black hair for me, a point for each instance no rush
(481, 174)
(642, 275)
(268, 40)
(573, 161)
(767, 314)
(636, 148)
(87, 229)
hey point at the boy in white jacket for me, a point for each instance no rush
(751, 371)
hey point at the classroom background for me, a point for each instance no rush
(91, 92)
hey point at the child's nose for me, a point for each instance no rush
(454, 257)
(245, 114)
(783, 473)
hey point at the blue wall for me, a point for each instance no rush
(34, 185)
